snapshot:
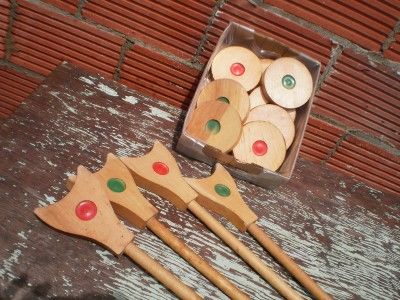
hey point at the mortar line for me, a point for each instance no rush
(330, 67)
(367, 137)
(124, 49)
(79, 8)
(9, 39)
(391, 37)
(21, 69)
(218, 5)
(332, 152)
(375, 57)
(169, 55)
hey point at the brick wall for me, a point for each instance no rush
(160, 47)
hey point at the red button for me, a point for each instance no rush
(237, 69)
(160, 168)
(86, 210)
(260, 148)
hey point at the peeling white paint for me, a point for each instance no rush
(156, 112)
(67, 281)
(87, 93)
(107, 257)
(69, 108)
(49, 199)
(340, 197)
(22, 235)
(50, 162)
(113, 111)
(68, 174)
(42, 203)
(86, 80)
(131, 99)
(8, 263)
(107, 90)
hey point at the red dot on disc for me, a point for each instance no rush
(260, 148)
(160, 168)
(86, 210)
(237, 69)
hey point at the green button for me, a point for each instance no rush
(213, 126)
(223, 99)
(288, 82)
(222, 190)
(116, 185)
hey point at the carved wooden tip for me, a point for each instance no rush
(126, 199)
(219, 193)
(85, 211)
(159, 173)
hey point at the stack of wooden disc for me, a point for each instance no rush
(250, 107)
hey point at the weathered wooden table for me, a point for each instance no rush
(344, 234)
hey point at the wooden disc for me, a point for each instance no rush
(257, 98)
(288, 82)
(292, 113)
(217, 124)
(261, 143)
(229, 91)
(277, 116)
(239, 64)
(265, 62)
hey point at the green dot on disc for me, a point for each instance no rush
(223, 99)
(213, 126)
(116, 185)
(288, 82)
(222, 190)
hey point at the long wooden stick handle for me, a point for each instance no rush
(195, 260)
(287, 262)
(160, 273)
(245, 253)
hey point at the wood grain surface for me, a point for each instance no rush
(341, 232)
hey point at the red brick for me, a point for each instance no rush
(343, 167)
(173, 26)
(393, 52)
(270, 25)
(4, 12)
(362, 96)
(44, 38)
(14, 88)
(319, 139)
(159, 77)
(365, 23)
(67, 5)
(369, 163)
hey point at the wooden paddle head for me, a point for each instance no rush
(126, 199)
(159, 173)
(219, 193)
(85, 211)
